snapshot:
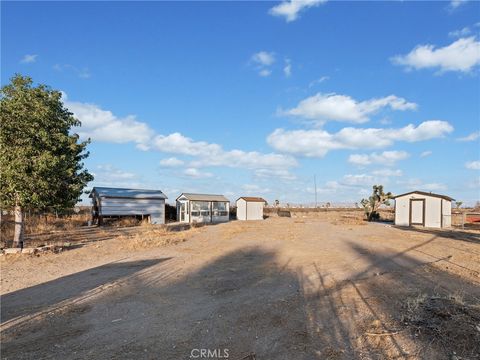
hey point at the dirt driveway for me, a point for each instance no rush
(284, 288)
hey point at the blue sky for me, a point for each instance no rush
(255, 98)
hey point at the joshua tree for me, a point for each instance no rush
(373, 203)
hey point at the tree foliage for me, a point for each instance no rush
(41, 161)
(373, 203)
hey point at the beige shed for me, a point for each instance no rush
(250, 208)
(421, 208)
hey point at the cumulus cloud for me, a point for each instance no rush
(426, 153)
(388, 158)
(103, 125)
(317, 142)
(456, 3)
(358, 180)
(387, 172)
(29, 58)
(283, 174)
(263, 58)
(471, 137)
(290, 9)
(171, 162)
(318, 81)
(208, 154)
(287, 69)
(473, 165)
(460, 32)
(82, 73)
(196, 173)
(462, 55)
(324, 107)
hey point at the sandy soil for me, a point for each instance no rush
(283, 288)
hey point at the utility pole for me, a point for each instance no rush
(315, 184)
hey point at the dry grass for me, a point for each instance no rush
(41, 224)
(447, 321)
(150, 236)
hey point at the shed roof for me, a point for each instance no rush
(252, 199)
(448, 198)
(203, 197)
(108, 192)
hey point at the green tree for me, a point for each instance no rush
(458, 204)
(41, 161)
(373, 203)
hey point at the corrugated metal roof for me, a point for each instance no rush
(204, 197)
(448, 198)
(252, 199)
(128, 193)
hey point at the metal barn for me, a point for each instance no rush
(119, 202)
(202, 208)
(250, 208)
(423, 209)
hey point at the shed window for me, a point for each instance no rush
(200, 208)
(219, 209)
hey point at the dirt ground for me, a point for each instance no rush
(283, 288)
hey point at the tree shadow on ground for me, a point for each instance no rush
(472, 237)
(398, 307)
(246, 301)
(37, 298)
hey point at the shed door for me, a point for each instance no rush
(417, 212)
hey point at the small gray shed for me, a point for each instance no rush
(202, 208)
(118, 202)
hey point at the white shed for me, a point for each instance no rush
(119, 202)
(424, 209)
(250, 208)
(202, 208)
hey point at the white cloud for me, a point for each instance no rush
(171, 162)
(265, 72)
(473, 165)
(82, 73)
(109, 175)
(387, 158)
(387, 172)
(456, 3)
(283, 174)
(29, 58)
(115, 174)
(426, 153)
(461, 32)
(264, 58)
(417, 184)
(358, 180)
(252, 189)
(317, 142)
(318, 81)
(324, 107)
(196, 174)
(290, 9)
(287, 70)
(471, 137)
(103, 125)
(462, 55)
(434, 187)
(207, 154)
